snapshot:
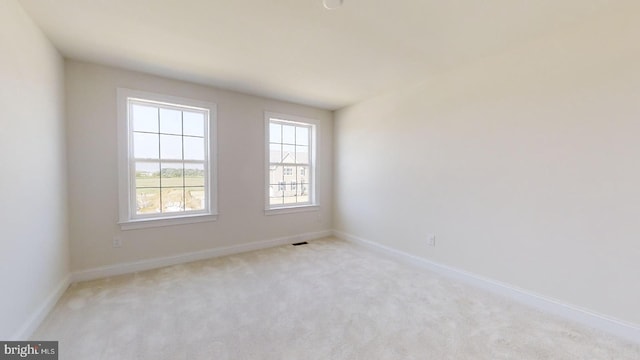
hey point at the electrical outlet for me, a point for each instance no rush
(117, 241)
(431, 240)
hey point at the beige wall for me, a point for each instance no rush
(525, 166)
(93, 176)
(33, 212)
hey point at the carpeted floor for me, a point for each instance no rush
(326, 300)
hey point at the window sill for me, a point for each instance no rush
(291, 209)
(168, 221)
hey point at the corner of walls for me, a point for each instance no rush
(34, 251)
(42, 311)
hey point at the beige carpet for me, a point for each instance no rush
(326, 300)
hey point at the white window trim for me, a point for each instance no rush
(292, 209)
(314, 203)
(126, 220)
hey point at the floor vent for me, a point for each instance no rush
(300, 243)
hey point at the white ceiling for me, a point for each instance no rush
(295, 50)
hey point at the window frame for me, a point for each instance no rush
(128, 218)
(314, 126)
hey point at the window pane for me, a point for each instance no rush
(171, 147)
(303, 189)
(145, 146)
(288, 134)
(193, 148)
(168, 155)
(194, 198)
(147, 174)
(194, 174)
(171, 175)
(288, 154)
(193, 123)
(289, 146)
(170, 121)
(302, 136)
(287, 190)
(147, 201)
(172, 199)
(302, 154)
(289, 174)
(275, 153)
(276, 190)
(275, 201)
(275, 174)
(303, 174)
(275, 133)
(145, 118)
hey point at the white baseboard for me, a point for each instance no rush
(30, 326)
(556, 307)
(148, 264)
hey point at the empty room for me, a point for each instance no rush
(320, 179)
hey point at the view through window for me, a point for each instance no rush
(168, 158)
(290, 163)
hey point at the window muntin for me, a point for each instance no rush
(166, 159)
(291, 146)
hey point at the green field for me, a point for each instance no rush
(171, 198)
(169, 181)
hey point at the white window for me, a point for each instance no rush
(291, 159)
(167, 160)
